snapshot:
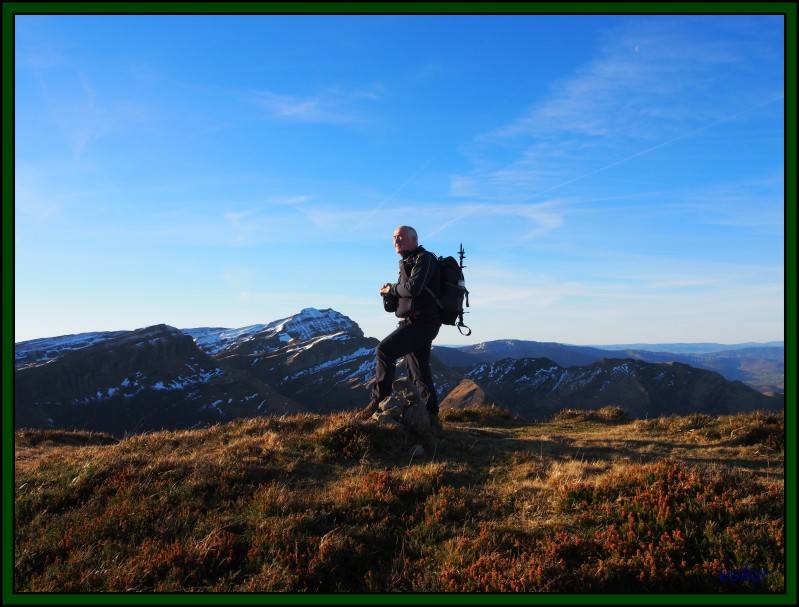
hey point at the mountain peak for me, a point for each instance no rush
(301, 326)
(311, 322)
(159, 329)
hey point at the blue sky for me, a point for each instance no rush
(613, 178)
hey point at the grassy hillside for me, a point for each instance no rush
(586, 502)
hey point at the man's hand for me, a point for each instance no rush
(385, 289)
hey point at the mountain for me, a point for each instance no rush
(320, 361)
(319, 358)
(535, 387)
(36, 351)
(760, 366)
(693, 348)
(307, 324)
(163, 377)
(132, 381)
(763, 368)
(565, 355)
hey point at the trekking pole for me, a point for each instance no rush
(461, 257)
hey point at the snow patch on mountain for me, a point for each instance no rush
(45, 349)
(129, 388)
(306, 324)
(338, 336)
(36, 352)
(359, 353)
(364, 372)
(216, 339)
(563, 375)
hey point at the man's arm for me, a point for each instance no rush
(420, 275)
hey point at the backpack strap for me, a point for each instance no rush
(438, 301)
(459, 325)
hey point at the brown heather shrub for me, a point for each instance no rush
(343, 439)
(673, 424)
(757, 428)
(680, 528)
(32, 438)
(762, 428)
(319, 503)
(656, 528)
(608, 413)
(478, 414)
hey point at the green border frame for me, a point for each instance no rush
(10, 9)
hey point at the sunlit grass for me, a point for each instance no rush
(585, 502)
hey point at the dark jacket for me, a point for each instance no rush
(418, 269)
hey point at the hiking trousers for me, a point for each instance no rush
(412, 339)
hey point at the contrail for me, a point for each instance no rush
(623, 160)
(393, 194)
(446, 224)
(662, 144)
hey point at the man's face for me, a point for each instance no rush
(404, 241)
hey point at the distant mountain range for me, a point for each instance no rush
(319, 360)
(761, 366)
(534, 388)
(693, 348)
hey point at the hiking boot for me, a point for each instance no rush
(368, 410)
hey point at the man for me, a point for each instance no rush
(413, 299)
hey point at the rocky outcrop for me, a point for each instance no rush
(466, 394)
(404, 409)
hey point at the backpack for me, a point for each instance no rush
(452, 293)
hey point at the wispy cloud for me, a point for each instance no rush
(654, 82)
(292, 200)
(650, 75)
(331, 106)
(695, 302)
(80, 114)
(321, 299)
(750, 204)
(539, 218)
(31, 200)
(536, 219)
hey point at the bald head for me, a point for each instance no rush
(405, 239)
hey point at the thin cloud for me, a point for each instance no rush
(537, 219)
(30, 199)
(292, 200)
(309, 298)
(80, 115)
(332, 106)
(653, 83)
(649, 75)
(541, 218)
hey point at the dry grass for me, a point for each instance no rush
(763, 429)
(603, 414)
(491, 414)
(325, 503)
